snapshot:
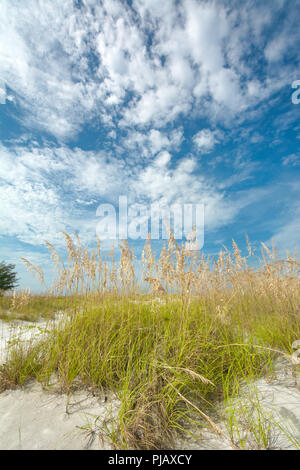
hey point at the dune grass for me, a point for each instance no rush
(171, 355)
(26, 307)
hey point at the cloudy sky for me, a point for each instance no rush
(162, 101)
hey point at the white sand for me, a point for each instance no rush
(279, 405)
(22, 331)
(37, 420)
(279, 401)
(31, 418)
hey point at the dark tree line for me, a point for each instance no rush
(8, 277)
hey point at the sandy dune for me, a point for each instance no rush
(32, 418)
(35, 419)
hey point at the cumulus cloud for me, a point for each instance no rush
(47, 190)
(205, 140)
(138, 72)
(43, 190)
(68, 64)
(148, 144)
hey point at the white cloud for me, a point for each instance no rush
(148, 144)
(40, 189)
(2, 94)
(184, 185)
(205, 140)
(30, 211)
(46, 190)
(133, 73)
(66, 65)
(286, 237)
(162, 159)
(86, 203)
(276, 48)
(291, 160)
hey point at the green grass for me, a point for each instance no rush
(35, 307)
(168, 363)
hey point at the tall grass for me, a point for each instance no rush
(172, 354)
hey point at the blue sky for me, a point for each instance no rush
(164, 102)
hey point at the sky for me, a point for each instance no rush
(164, 102)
